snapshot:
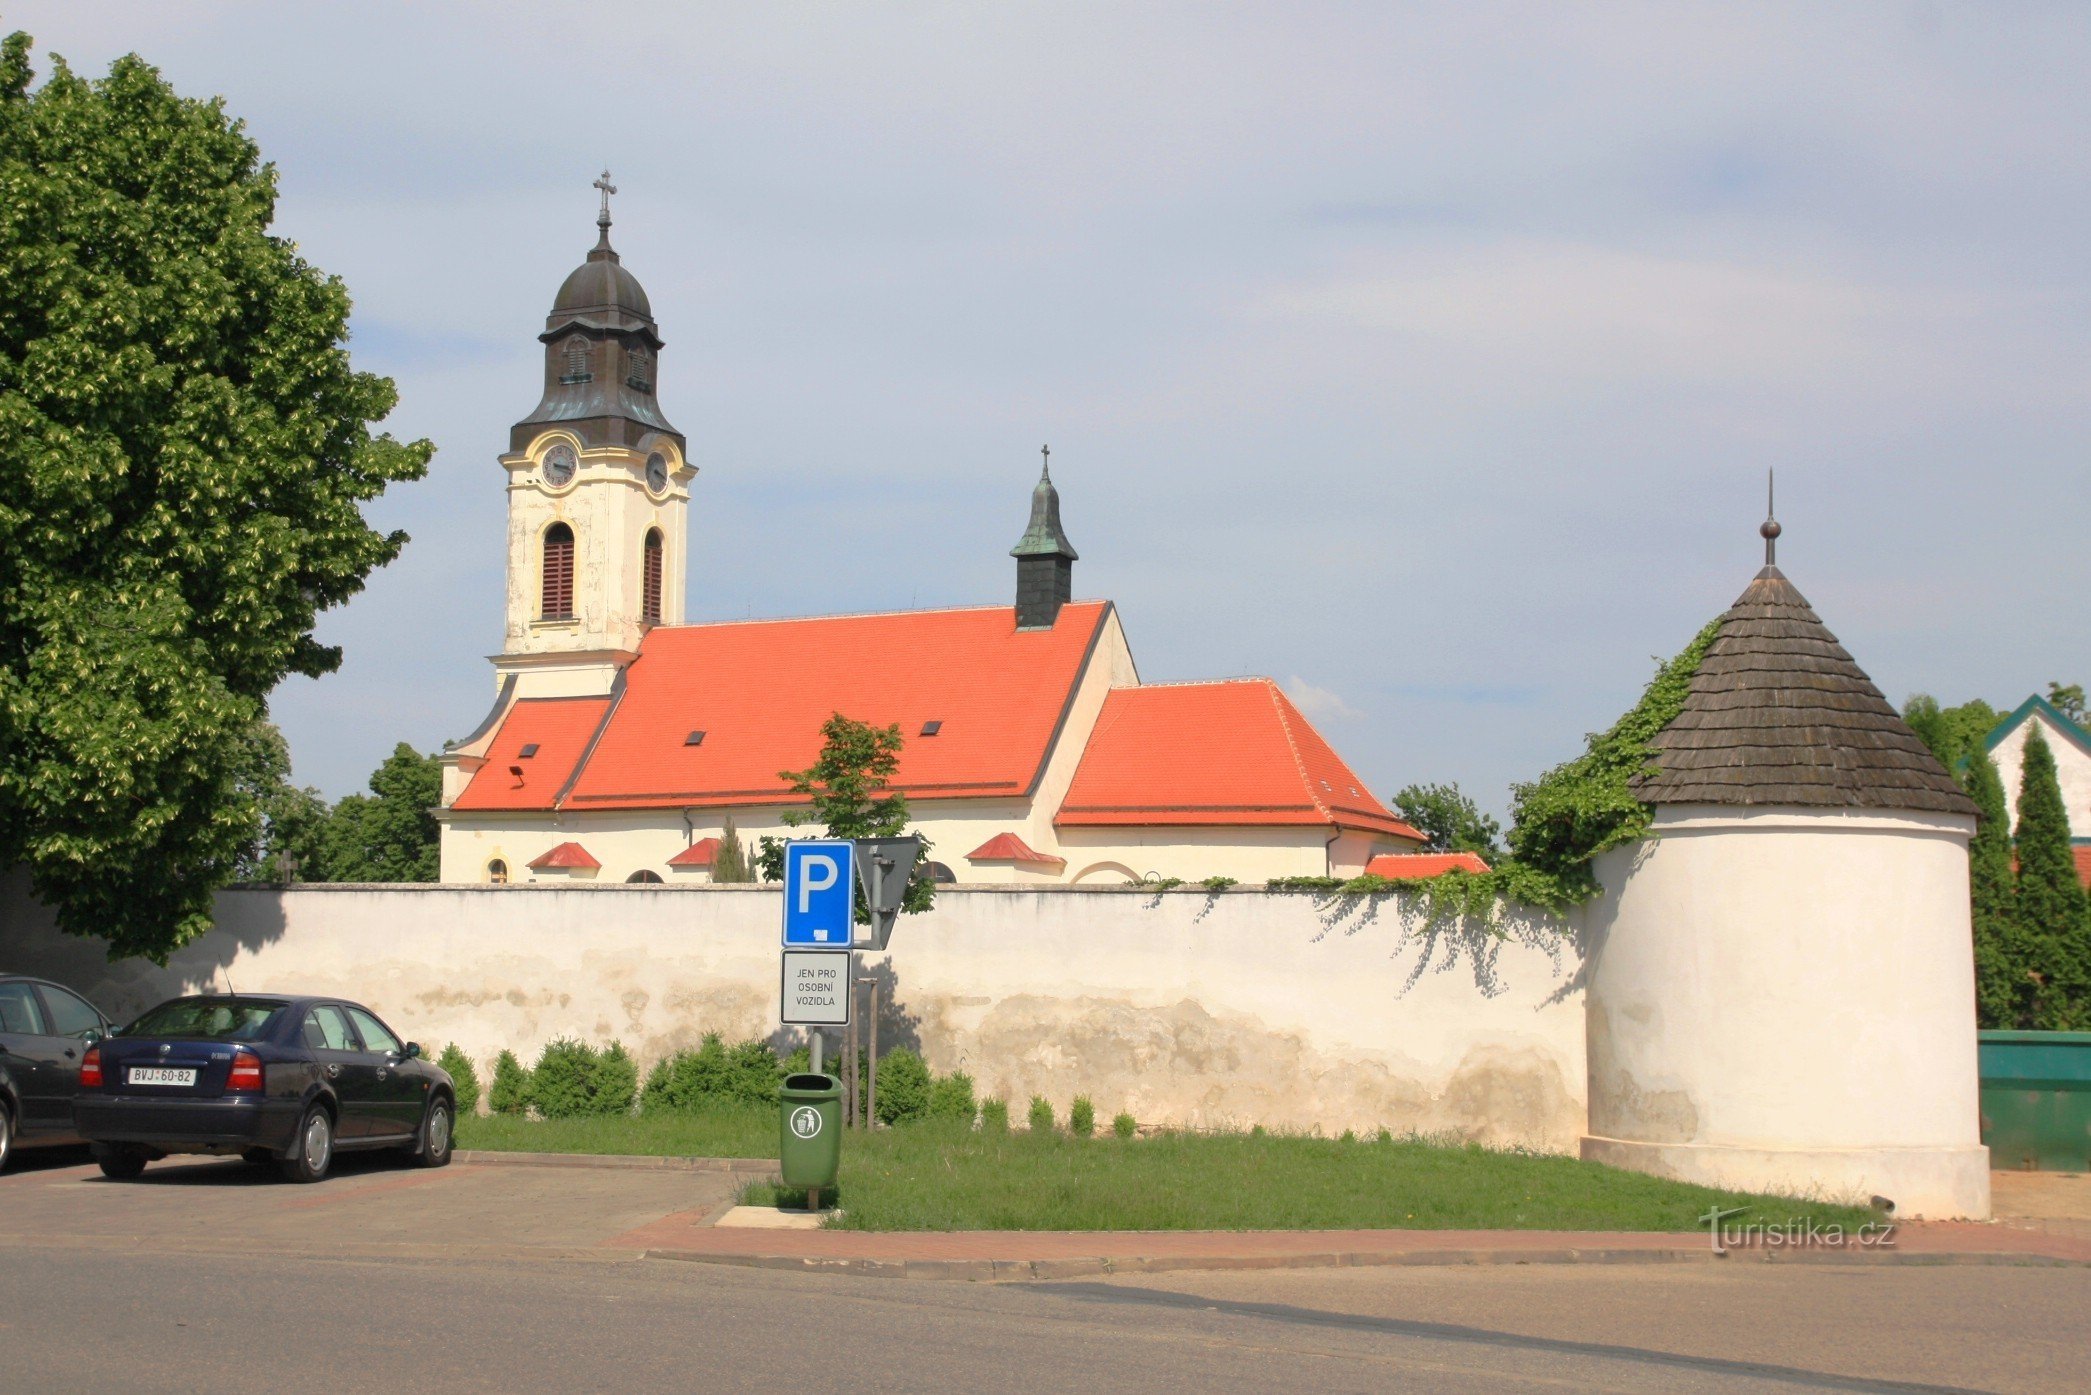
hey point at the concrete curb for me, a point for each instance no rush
(1019, 1270)
(626, 1161)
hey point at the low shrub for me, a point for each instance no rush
(713, 1076)
(511, 1089)
(994, 1116)
(1041, 1114)
(464, 1079)
(572, 1080)
(951, 1097)
(1081, 1118)
(1124, 1125)
(1216, 885)
(903, 1087)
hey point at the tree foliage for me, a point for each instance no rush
(2068, 700)
(1954, 734)
(1449, 821)
(730, 863)
(848, 790)
(390, 834)
(2052, 914)
(2001, 982)
(289, 837)
(184, 448)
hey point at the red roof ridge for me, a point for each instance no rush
(854, 615)
(1283, 706)
(1207, 682)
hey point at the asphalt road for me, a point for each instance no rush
(102, 1320)
(212, 1277)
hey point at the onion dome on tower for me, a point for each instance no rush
(601, 352)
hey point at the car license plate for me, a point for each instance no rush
(158, 1075)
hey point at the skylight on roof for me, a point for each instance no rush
(695, 738)
(529, 750)
(931, 728)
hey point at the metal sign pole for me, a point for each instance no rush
(871, 1088)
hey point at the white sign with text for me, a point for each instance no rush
(816, 988)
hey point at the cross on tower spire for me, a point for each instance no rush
(1046, 453)
(602, 219)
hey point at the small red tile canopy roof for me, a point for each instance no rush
(560, 730)
(1007, 847)
(1230, 752)
(759, 691)
(569, 856)
(701, 853)
(1409, 866)
(2082, 853)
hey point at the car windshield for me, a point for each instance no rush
(219, 1019)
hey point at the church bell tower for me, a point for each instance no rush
(598, 489)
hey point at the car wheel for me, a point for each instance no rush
(7, 1136)
(437, 1135)
(123, 1164)
(312, 1150)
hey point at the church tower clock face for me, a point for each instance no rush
(657, 473)
(559, 465)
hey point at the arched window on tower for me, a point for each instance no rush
(650, 606)
(559, 573)
(576, 361)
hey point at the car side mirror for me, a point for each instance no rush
(413, 1052)
(92, 1035)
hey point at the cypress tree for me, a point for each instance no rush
(2051, 904)
(2000, 971)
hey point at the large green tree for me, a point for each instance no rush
(1448, 820)
(1953, 733)
(184, 448)
(2003, 990)
(2051, 906)
(390, 834)
(290, 833)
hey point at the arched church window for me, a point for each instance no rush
(576, 361)
(645, 875)
(940, 874)
(559, 573)
(650, 608)
(497, 872)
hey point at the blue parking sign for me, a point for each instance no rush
(819, 892)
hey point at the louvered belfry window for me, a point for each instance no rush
(559, 573)
(651, 604)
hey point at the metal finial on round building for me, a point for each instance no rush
(1769, 530)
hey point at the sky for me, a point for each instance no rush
(1427, 358)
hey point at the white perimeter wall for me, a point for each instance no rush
(1181, 1007)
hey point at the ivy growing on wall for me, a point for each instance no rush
(1559, 822)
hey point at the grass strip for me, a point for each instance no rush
(945, 1176)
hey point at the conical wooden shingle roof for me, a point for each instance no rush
(1778, 714)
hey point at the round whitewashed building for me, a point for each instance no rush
(1780, 978)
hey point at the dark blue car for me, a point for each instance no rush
(283, 1080)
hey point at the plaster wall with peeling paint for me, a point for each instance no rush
(1185, 1008)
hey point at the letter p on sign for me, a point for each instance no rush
(819, 893)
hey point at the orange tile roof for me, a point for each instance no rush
(566, 855)
(560, 728)
(1007, 847)
(1232, 752)
(760, 689)
(1408, 866)
(699, 854)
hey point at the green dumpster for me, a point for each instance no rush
(2036, 1099)
(811, 1149)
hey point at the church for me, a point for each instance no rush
(622, 740)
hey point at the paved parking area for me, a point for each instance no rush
(372, 1205)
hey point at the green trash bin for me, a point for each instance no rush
(811, 1147)
(2036, 1099)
